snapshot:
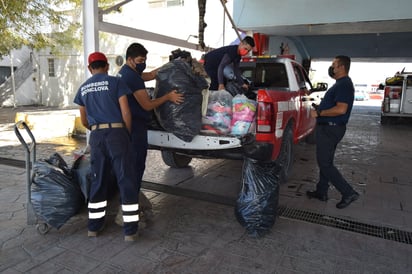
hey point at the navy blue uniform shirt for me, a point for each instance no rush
(135, 82)
(100, 95)
(215, 57)
(342, 91)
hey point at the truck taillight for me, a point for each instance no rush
(265, 116)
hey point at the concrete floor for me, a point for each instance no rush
(194, 236)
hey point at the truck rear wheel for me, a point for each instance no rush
(285, 159)
(175, 160)
(385, 120)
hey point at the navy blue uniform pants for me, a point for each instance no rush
(214, 81)
(110, 149)
(327, 139)
(140, 146)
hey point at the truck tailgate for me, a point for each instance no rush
(199, 142)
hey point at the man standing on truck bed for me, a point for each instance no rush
(332, 115)
(105, 111)
(216, 61)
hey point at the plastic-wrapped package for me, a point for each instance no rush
(257, 204)
(243, 114)
(183, 120)
(219, 113)
(54, 195)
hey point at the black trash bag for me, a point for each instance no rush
(257, 204)
(153, 123)
(234, 88)
(183, 120)
(54, 195)
(81, 171)
(57, 160)
(82, 174)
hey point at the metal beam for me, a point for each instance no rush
(90, 30)
(115, 7)
(146, 35)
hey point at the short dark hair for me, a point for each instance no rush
(136, 50)
(98, 64)
(249, 40)
(344, 61)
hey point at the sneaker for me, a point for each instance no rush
(130, 238)
(347, 200)
(94, 233)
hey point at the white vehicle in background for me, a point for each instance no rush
(397, 100)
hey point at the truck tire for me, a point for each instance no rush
(175, 160)
(285, 159)
(385, 120)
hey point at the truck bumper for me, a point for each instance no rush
(259, 151)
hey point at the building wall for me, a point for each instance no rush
(180, 22)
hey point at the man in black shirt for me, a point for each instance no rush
(332, 116)
(216, 61)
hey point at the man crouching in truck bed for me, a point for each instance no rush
(216, 60)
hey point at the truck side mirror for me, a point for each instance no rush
(320, 87)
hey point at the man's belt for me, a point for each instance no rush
(108, 125)
(330, 124)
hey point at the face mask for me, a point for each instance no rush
(140, 67)
(243, 51)
(331, 72)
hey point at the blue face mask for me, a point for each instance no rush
(140, 67)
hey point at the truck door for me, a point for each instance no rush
(407, 96)
(305, 122)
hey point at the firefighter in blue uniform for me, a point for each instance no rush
(216, 61)
(104, 109)
(140, 102)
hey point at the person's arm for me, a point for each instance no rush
(149, 104)
(339, 109)
(148, 76)
(220, 76)
(126, 114)
(238, 74)
(83, 116)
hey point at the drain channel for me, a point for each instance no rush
(362, 228)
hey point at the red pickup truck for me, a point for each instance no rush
(283, 94)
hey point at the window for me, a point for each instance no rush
(165, 3)
(5, 73)
(52, 72)
(302, 78)
(267, 75)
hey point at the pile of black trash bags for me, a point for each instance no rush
(58, 191)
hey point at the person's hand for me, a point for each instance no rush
(175, 97)
(313, 113)
(245, 86)
(221, 87)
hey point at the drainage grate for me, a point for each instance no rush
(362, 228)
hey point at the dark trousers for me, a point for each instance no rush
(327, 139)
(214, 82)
(139, 147)
(110, 149)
